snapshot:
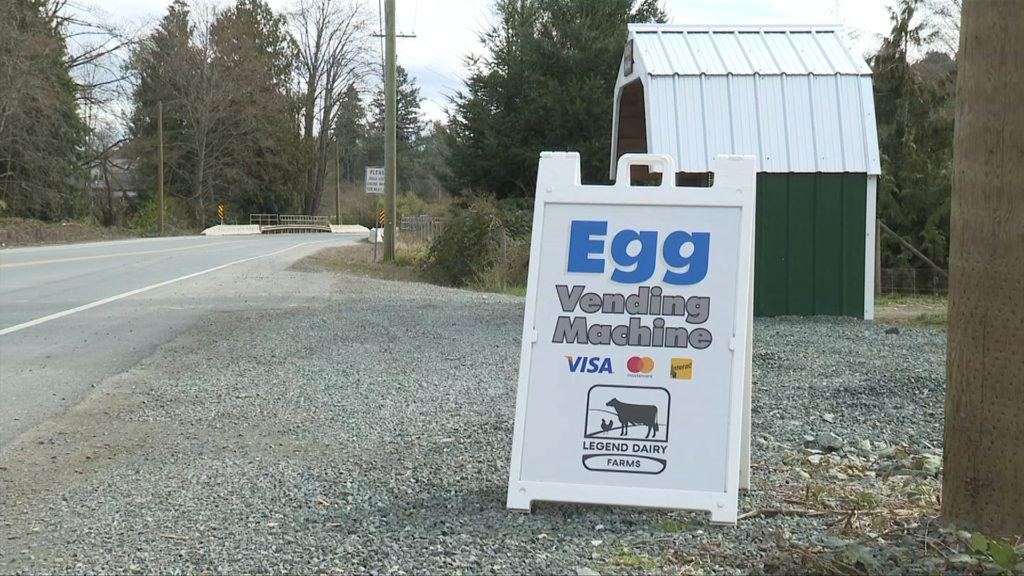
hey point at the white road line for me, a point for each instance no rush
(124, 295)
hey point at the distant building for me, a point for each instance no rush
(115, 176)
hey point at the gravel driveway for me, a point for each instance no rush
(371, 433)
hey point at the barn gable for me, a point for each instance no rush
(797, 98)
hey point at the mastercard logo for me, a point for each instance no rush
(640, 365)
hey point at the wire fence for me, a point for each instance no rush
(424, 227)
(913, 281)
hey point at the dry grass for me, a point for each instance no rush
(25, 232)
(918, 311)
(357, 260)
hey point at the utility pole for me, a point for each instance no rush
(160, 169)
(337, 180)
(983, 460)
(390, 127)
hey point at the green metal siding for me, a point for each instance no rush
(809, 251)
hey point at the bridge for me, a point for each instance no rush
(290, 223)
(283, 224)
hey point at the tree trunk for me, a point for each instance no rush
(984, 446)
(108, 212)
(200, 175)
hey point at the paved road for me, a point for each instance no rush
(73, 315)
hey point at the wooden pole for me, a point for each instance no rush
(878, 257)
(983, 479)
(910, 247)
(337, 181)
(160, 167)
(390, 128)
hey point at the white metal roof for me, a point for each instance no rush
(797, 98)
(741, 50)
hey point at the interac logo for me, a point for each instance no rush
(682, 368)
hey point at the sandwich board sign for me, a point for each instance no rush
(634, 366)
(374, 181)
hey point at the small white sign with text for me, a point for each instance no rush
(374, 181)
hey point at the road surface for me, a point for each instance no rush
(73, 315)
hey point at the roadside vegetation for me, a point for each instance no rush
(484, 246)
(26, 231)
(358, 260)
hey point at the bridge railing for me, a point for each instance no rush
(303, 220)
(263, 219)
(290, 220)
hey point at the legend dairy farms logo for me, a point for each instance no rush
(589, 364)
(640, 366)
(626, 429)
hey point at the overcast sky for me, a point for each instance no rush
(446, 30)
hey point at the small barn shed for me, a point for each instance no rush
(800, 100)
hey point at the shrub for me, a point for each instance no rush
(145, 220)
(485, 245)
(411, 256)
(411, 204)
(468, 246)
(509, 271)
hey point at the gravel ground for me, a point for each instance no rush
(371, 433)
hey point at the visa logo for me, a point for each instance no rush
(589, 364)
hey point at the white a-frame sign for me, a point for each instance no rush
(636, 339)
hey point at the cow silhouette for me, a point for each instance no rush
(635, 414)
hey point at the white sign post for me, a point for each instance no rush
(634, 362)
(374, 181)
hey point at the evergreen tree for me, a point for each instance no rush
(408, 130)
(164, 65)
(41, 133)
(256, 59)
(350, 134)
(545, 84)
(230, 129)
(913, 104)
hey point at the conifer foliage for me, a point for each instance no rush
(545, 83)
(41, 132)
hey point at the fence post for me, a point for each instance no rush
(504, 257)
(878, 257)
